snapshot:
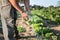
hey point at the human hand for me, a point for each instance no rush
(24, 16)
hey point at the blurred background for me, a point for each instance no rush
(45, 19)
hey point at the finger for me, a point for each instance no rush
(26, 18)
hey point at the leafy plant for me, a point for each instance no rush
(54, 37)
(39, 27)
(41, 16)
(21, 29)
(48, 35)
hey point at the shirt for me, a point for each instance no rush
(6, 9)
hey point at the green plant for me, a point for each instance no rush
(48, 35)
(54, 37)
(21, 29)
(41, 16)
(39, 27)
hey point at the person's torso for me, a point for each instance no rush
(5, 8)
(0, 3)
(4, 3)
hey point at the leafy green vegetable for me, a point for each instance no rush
(21, 29)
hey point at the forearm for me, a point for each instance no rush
(16, 6)
(27, 3)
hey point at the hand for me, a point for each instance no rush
(24, 16)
